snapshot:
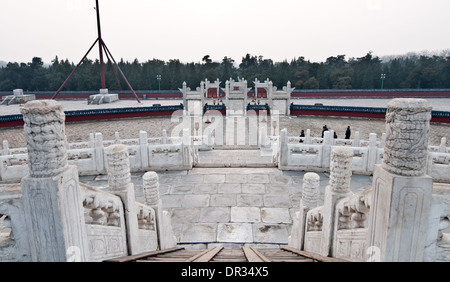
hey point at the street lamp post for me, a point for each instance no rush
(158, 77)
(383, 76)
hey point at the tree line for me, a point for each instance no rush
(337, 72)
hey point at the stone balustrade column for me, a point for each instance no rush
(45, 135)
(98, 153)
(51, 196)
(310, 191)
(407, 128)
(338, 188)
(119, 183)
(372, 153)
(284, 151)
(310, 197)
(166, 238)
(326, 149)
(143, 149)
(341, 170)
(118, 164)
(401, 199)
(151, 188)
(5, 150)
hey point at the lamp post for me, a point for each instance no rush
(158, 77)
(383, 76)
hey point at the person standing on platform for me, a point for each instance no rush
(348, 132)
(325, 128)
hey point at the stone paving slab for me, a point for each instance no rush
(270, 233)
(275, 215)
(234, 233)
(215, 214)
(245, 214)
(198, 233)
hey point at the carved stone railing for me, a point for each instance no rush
(101, 208)
(14, 242)
(438, 236)
(352, 211)
(313, 154)
(403, 216)
(164, 153)
(314, 219)
(313, 232)
(53, 217)
(105, 224)
(351, 226)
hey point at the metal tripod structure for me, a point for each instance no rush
(102, 48)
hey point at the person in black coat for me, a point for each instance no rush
(302, 134)
(348, 132)
(325, 128)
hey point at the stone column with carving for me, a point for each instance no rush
(166, 239)
(310, 195)
(338, 188)
(51, 195)
(119, 183)
(401, 191)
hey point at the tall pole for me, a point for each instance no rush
(383, 76)
(100, 47)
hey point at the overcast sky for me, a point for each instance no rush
(189, 29)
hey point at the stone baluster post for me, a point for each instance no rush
(164, 139)
(163, 222)
(262, 137)
(326, 149)
(143, 149)
(310, 195)
(372, 153)
(51, 196)
(443, 145)
(383, 140)
(190, 150)
(91, 141)
(401, 191)
(308, 139)
(338, 188)
(99, 156)
(284, 151)
(5, 150)
(116, 137)
(119, 183)
(356, 140)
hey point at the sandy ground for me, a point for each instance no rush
(129, 128)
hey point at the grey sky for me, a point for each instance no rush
(189, 29)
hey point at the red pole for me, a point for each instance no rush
(67, 79)
(126, 80)
(100, 49)
(112, 68)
